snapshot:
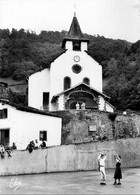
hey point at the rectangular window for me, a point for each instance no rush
(3, 113)
(45, 101)
(4, 136)
(43, 135)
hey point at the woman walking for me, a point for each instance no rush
(118, 173)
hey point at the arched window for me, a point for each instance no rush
(67, 83)
(86, 80)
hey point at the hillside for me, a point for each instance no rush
(23, 53)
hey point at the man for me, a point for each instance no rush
(101, 162)
(37, 145)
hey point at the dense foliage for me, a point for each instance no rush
(23, 53)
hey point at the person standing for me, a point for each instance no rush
(101, 163)
(118, 172)
(2, 151)
(83, 106)
(77, 106)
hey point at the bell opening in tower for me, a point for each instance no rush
(76, 46)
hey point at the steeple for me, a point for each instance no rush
(75, 33)
(75, 30)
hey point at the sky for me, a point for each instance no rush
(116, 19)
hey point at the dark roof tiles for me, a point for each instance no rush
(75, 30)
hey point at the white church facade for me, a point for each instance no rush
(72, 77)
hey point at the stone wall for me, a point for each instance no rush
(76, 126)
(74, 157)
(127, 126)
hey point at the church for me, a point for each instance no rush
(72, 79)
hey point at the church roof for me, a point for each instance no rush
(78, 85)
(74, 33)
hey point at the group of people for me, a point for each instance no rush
(117, 174)
(35, 145)
(7, 149)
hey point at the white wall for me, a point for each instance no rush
(109, 108)
(52, 80)
(37, 84)
(103, 105)
(69, 46)
(84, 46)
(25, 127)
(61, 103)
(62, 67)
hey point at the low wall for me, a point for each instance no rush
(72, 157)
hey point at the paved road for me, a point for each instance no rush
(85, 182)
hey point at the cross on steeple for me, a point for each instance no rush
(74, 10)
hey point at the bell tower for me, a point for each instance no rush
(75, 40)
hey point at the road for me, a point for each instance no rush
(83, 182)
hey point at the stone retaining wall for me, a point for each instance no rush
(77, 125)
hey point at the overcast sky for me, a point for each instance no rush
(116, 19)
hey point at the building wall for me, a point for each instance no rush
(25, 127)
(62, 67)
(61, 102)
(53, 80)
(72, 157)
(104, 106)
(37, 84)
(69, 46)
(101, 103)
(109, 108)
